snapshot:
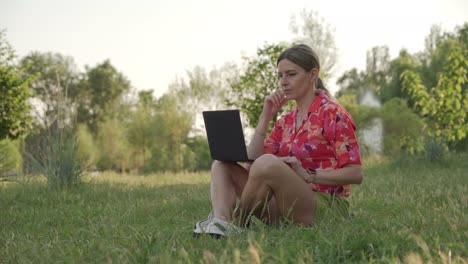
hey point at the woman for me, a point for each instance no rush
(302, 170)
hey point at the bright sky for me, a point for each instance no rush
(153, 41)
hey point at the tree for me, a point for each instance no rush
(314, 31)
(112, 145)
(56, 80)
(427, 64)
(438, 47)
(394, 88)
(374, 78)
(100, 94)
(171, 126)
(259, 80)
(88, 152)
(140, 129)
(202, 159)
(352, 82)
(434, 38)
(445, 106)
(203, 90)
(10, 158)
(15, 118)
(402, 128)
(377, 66)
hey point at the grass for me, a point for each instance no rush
(405, 211)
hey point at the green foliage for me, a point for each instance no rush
(394, 87)
(54, 86)
(56, 152)
(100, 94)
(172, 126)
(88, 152)
(445, 106)
(57, 158)
(433, 83)
(140, 131)
(427, 64)
(204, 90)
(201, 158)
(402, 129)
(363, 117)
(313, 30)
(401, 214)
(10, 158)
(15, 118)
(259, 80)
(372, 79)
(361, 114)
(112, 146)
(160, 161)
(352, 82)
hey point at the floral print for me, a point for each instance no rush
(325, 139)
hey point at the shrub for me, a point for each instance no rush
(10, 158)
(56, 157)
(361, 114)
(112, 145)
(402, 128)
(87, 151)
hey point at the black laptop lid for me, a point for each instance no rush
(225, 135)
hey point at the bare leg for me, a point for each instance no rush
(227, 182)
(270, 176)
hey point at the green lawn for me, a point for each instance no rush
(405, 211)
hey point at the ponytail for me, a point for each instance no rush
(319, 86)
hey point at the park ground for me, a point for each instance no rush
(408, 210)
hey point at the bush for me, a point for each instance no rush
(201, 160)
(10, 158)
(57, 158)
(112, 145)
(87, 151)
(361, 114)
(402, 129)
(434, 149)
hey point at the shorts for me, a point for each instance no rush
(330, 207)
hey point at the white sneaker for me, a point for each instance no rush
(216, 228)
(201, 225)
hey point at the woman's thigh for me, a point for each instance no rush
(294, 199)
(236, 173)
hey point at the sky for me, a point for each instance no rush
(153, 42)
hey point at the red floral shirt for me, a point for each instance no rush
(325, 139)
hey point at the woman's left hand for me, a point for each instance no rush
(296, 165)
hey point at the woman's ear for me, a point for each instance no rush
(314, 74)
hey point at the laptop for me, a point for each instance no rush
(225, 136)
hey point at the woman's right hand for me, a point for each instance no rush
(273, 103)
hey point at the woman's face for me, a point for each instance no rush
(294, 80)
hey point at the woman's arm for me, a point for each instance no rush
(271, 105)
(349, 174)
(255, 148)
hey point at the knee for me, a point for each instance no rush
(216, 165)
(264, 166)
(220, 165)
